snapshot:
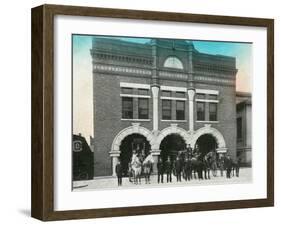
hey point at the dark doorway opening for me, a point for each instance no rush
(132, 142)
(171, 145)
(206, 143)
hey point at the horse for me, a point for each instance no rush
(137, 170)
(147, 168)
(194, 166)
(213, 162)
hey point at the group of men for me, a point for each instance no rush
(195, 167)
(188, 164)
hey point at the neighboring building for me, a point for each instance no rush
(244, 127)
(82, 159)
(159, 97)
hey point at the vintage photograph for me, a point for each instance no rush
(155, 112)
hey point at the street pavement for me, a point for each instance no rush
(105, 183)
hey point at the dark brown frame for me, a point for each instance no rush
(42, 202)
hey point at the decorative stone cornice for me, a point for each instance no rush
(121, 70)
(121, 58)
(173, 75)
(143, 72)
(214, 80)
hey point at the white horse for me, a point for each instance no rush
(136, 168)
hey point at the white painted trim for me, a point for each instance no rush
(134, 95)
(173, 120)
(207, 121)
(206, 100)
(191, 94)
(207, 91)
(139, 120)
(155, 93)
(183, 89)
(173, 98)
(134, 85)
(173, 88)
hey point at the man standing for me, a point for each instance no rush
(221, 165)
(237, 166)
(189, 151)
(169, 169)
(160, 169)
(178, 168)
(189, 169)
(184, 169)
(228, 166)
(118, 171)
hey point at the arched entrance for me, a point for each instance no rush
(171, 145)
(115, 147)
(216, 134)
(206, 143)
(132, 142)
(173, 129)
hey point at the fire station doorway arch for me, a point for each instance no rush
(206, 143)
(213, 135)
(171, 145)
(132, 142)
(135, 130)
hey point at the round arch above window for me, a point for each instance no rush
(173, 62)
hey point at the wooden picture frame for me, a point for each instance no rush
(43, 112)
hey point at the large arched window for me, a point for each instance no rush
(173, 62)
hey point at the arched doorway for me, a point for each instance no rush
(132, 142)
(171, 145)
(206, 143)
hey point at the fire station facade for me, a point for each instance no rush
(160, 97)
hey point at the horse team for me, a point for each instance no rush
(187, 165)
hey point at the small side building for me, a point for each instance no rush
(244, 127)
(82, 159)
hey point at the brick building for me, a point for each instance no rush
(159, 97)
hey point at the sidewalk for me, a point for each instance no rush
(111, 182)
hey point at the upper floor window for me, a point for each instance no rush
(200, 96)
(239, 128)
(127, 107)
(173, 62)
(180, 109)
(143, 92)
(166, 109)
(143, 108)
(213, 97)
(180, 94)
(213, 112)
(200, 111)
(166, 93)
(126, 90)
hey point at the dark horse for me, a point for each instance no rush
(201, 164)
